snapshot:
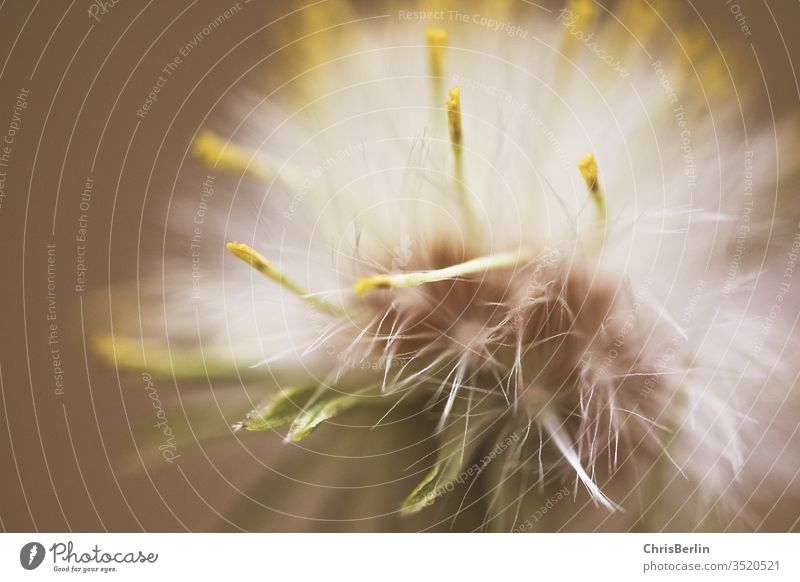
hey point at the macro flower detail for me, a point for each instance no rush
(516, 250)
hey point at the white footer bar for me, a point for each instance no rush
(402, 557)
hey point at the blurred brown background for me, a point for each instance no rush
(84, 69)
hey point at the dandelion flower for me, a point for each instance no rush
(514, 232)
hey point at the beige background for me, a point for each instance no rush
(63, 458)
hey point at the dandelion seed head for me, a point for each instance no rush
(493, 274)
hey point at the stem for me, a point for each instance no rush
(457, 141)
(263, 266)
(436, 39)
(415, 279)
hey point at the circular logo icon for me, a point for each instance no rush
(31, 555)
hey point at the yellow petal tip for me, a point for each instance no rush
(588, 169)
(367, 284)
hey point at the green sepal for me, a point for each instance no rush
(432, 486)
(457, 441)
(279, 409)
(329, 404)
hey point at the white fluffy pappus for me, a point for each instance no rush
(431, 242)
